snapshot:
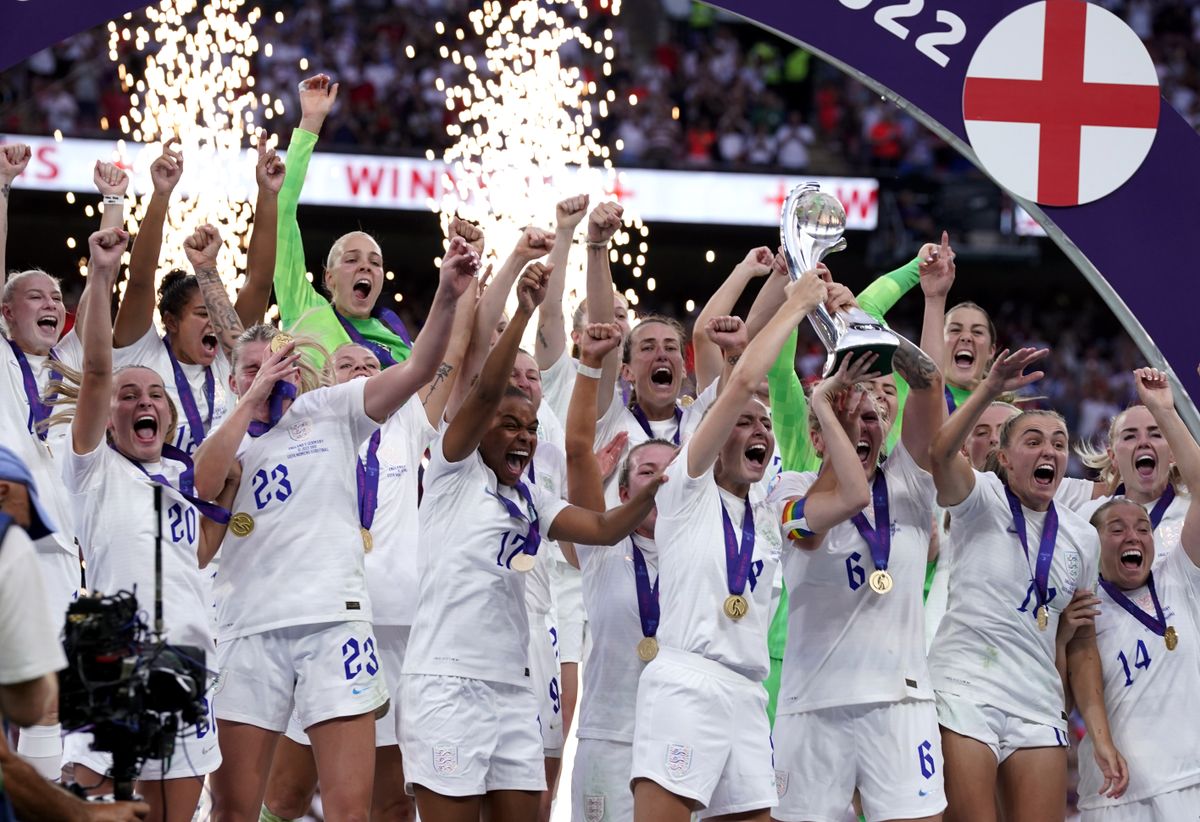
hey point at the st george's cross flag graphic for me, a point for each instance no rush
(1061, 102)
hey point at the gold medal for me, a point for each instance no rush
(280, 342)
(686, 402)
(1171, 638)
(736, 606)
(647, 648)
(522, 562)
(368, 541)
(1043, 617)
(881, 581)
(241, 524)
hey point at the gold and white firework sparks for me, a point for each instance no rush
(196, 85)
(527, 130)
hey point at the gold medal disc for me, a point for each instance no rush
(522, 562)
(736, 606)
(880, 581)
(647, 648)
(1043, 617)
(1171, 638)
(241, 524)
(686, 402)
(368, 540)
(280, 342)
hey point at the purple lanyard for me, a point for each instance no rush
(1045, 557)
(186, 487)
(197, 428)
(879, 538)
(640, 416)
(39, 411)
(534, 538)
(738, 559)
(1160, 507)
(1157, 623)
(532, 473)
(647, 595)
(367, 475)
(279, 392)
(951, 404)
(390, 321)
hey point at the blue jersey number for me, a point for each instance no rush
(353, 651)
(554, 698)
(182, 523)
(855, 574)
(271, 485)
(511, 544)
(1141, 659)
(925, 755)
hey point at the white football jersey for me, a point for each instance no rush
(391, 563)
(1074, 493)
(117, 531)
(848, 645)
(1169, 529)
(691, 549)
(471, 616)
(302, 564)
(549, 472)
(988, 648)
(612, 668)
(151, 352)
(1151, 693)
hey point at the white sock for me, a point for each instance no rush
(41, 746)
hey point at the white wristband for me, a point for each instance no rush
(114, 199)
(589, 371)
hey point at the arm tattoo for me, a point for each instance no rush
(732, 359)
(541, 335)
(914, 365)
(5, 189)
(439, 377)
(221, 313)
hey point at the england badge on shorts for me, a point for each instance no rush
(593, 807)
(445, 759)
(679, 760)
(781, 783)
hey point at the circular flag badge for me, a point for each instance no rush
(1061, 102)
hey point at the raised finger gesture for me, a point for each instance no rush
(937, 268)
(1007, 373)
(167, 168)
(270, 170)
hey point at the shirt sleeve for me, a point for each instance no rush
(609, 425)
(558, 382)
(29, 646)
(69, 350)
(548, 505)
(986, 486)
(789, 411)
(681, 492)
(879, 297)
(82, 472)
(348, 402)
(294, 293)
(142, 352)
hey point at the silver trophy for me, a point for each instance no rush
(811, 227)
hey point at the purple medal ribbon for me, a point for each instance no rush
(951, 404)
(738, 559)
(647, 595)
(390, 321)
(197, 428)
(1045, 557)
(367, 475)
(186, 487)
(39, 411)
(1157, 623)
(1160, 507)
(879, 538)
(640, 416)
(279, 392)
(533, 539)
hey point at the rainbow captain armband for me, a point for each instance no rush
(794, 523)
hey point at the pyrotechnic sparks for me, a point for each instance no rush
(527, 127)
(196, 86)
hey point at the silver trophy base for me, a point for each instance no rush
(883, 365)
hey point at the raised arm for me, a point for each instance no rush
(13, 160)
(709, 361)
(1154, 390)
(585, 478)
(95, 335)
(802, 296)
(254, 296)
(385, 392)
(952, 472)
(551, 337)
(201, 250)
(580, 526)
(435, 395)
(136, 312)
(1087, 686)
(603, 223)
(471, 421)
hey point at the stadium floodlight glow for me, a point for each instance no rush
(195, 86)
(525, 127)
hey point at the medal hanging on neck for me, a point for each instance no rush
(647, 602)
(390, 321)
(1157, 623)
(527, 557)
(39, 411)
(186, 487)
(366, 475)
(279, 392)
(644, 422)
(1160, 507)
(879, 538)
(197, 426)
(738, 559)
(1045, 556)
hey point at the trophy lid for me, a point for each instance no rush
(818, 215)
